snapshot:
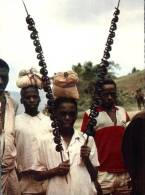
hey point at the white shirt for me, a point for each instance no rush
(7, 136)
(79, 181)
(27, 129)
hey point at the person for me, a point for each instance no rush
(133, 148)
(9, 181)
(29, 125)
(140, 99)
(75, 175)
(111, 122)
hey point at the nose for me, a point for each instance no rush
(31, 99)
(109, 96)
(67, 116)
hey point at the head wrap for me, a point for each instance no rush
(65, 85)
(28, 78)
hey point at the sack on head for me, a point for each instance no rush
(65, 85)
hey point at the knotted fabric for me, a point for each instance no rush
(29, 78)
(65, 85)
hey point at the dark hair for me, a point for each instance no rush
(22, 92)
(139, 115)
(3, 64)
(107, 81)
(133, 148)
(61, 100)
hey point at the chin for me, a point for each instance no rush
(67, 127)
(109, 106)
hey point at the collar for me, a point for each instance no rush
(101, 109)
(39, 115)
(77, 136)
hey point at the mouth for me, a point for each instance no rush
(67, 123)
(32, 106)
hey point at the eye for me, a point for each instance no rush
(71, 114)
(105, 94)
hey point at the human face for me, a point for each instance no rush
(66, 115)
(30, 99)
(4, 78)
(109, 96)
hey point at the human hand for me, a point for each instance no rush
(85, 152)
(63, 168)
(98, 188)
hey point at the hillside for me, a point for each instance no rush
(131, 82)
(127, 86)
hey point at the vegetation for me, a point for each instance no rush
(127, 85)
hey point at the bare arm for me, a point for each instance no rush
(61, 170)
(85, 152)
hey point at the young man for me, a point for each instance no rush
(76, 175)
(109, 131)
(29, 125)
(9, 182)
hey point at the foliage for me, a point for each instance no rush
(87, 76)
(126, 85)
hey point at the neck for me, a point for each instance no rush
(67, 133)
(108, 109)
(1, 94)
(32, 113)
(67, 137)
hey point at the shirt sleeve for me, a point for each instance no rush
(94, 152)
(85, 122)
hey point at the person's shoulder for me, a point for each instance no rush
(87, 112)
(20, 116)
(44, 117)
(139, 115)
(120, 108)
(9, 98)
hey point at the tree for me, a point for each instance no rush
(87, 78)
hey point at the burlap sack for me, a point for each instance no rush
(64, 85)
(29, 78)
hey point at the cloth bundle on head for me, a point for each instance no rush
(64, 85)
(28, 78)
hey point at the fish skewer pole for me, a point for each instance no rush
(46, 82)
(102, 71)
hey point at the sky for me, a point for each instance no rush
(71, 32)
